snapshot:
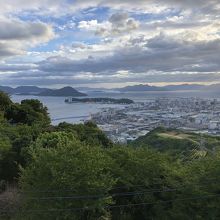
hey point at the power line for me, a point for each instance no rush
(167, 201)
(72, 190)
(114, 188)
(120, 194)
(102, 196)
(119, 206)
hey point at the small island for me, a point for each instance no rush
(100, 100)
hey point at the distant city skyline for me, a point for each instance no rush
(103, 43)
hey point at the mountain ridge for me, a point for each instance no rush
(34, 90)
(65, 91)
(69, 91)
(146, 87)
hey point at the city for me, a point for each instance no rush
(132, 121)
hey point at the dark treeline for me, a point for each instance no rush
(75, 172)
(101, 100)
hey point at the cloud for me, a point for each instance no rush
(16, 67)
(109, 40)
(6, 50)
(159, 59)
(58, 8)
(87, 78)
(118, 23)
(161, 53)
(92, 25)
(152, 6)
(16, 36)
(20, 30)
(122, 23)
(41, 7)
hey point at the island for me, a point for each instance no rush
(100, 100)
(63, 92)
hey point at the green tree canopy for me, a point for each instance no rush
(88, 133)
(58, 163)
(5, 101)
(28, 112)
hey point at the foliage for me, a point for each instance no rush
(20, 125)
(60, 162)
(88, 133)
(141, 171)
(179, 144)
(75, 172)
(6, 163)
(201, 178)
(5, 101)
(28, 112)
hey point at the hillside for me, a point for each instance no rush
(22, 90)
(66, 91)
(76, 167)
(177, 142)
(34, 90)
(7, 89)
(28, 89)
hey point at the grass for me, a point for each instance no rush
(174, 135)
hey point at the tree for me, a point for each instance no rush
(28, 112)
(7, 165)
(60, 162)
(2, 119)
(5, 101)
(142, 170)
(201, 178)
(19, 138)
(88, 133)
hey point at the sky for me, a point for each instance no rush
(109, 43)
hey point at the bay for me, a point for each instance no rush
(78, 112)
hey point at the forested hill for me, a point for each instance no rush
(178, 143)
(75, 172)
(34, 90)
(66, 91)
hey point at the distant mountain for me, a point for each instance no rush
(22, 90)
(7, 89)
(140, 88)
(144, 88)
(69, 91)
(34, 90)
(184, 87)
(28, 89)
(88, 89)
(66, 91)
(214, 87)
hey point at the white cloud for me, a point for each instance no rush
(20, 30)
(16, 35)
(7, 50)
(140, 40)
(62, 7)
(118, 23)
(92, 25)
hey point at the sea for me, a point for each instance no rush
(79, 112)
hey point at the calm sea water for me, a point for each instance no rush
(77, 112)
